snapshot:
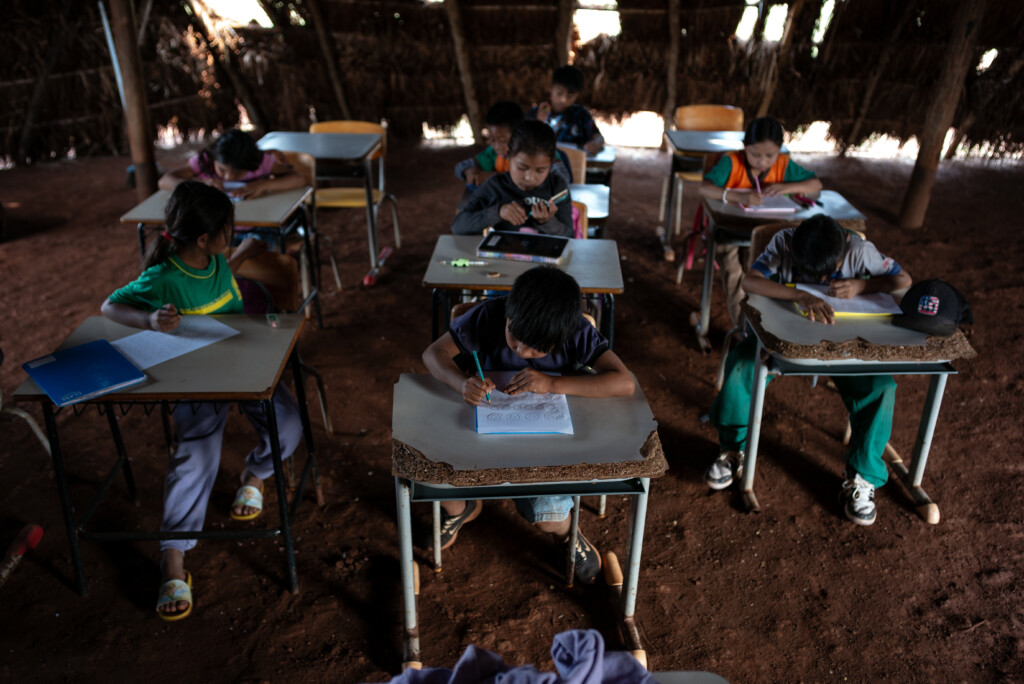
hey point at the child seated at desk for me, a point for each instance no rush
(747, 177)
(572, 122)
(537, 329)
(501, 119)
(185, 272)
(816, 251)
(522, 197)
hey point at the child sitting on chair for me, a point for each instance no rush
(816, 251)
(501, 119)
(537, 329)
(528, 196)
(572, 122)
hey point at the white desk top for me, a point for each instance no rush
(350, 147)
(270, 210)
(707, 142)
(593, 263)
(246, 366)
(833, 204)
(597, 198)
(433, 419)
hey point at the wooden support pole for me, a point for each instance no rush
(140, 129)
(781, 58)
(672, 70)
(147, 8)
(983, 93)
(939, 116)
(883, 61)
(328, 51)
(462, 60)
(563, 31)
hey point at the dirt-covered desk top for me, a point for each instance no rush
(785, 332)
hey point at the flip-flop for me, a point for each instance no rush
(248, 497)
(173, 591)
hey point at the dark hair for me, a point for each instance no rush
(568, 76)
(817, 246)
(193, 210)
(235, 148)
(532, 137)
(504, 113)
(764, 128)
(543, 308)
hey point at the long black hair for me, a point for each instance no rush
(763, 128)
(235, 148)
(193, 210)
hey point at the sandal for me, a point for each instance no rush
(248, 497)
(173, 591)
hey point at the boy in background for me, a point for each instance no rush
(816, 251)
(571, 122)
(501, 119)
(537, 329)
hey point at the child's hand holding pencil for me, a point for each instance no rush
(478, 387)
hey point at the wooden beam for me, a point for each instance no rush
(327, 49)
(939, 117)
(462, 60)
(140, 129)
(982, 95)
(563, 31)
(883, 61)
(781, 58)
(672, 69)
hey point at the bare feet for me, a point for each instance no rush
(172, 566)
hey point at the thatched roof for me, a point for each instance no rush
(397, 62)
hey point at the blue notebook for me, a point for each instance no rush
(80, 373)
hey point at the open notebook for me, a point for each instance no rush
(874, 304)
(779, 204)
(523, 414)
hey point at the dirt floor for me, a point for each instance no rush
(796, 593)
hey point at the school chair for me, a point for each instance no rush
(577, 163)
(579, 220)
(690, 167)
(355, 197)
(305, 165)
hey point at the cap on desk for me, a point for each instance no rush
(934, 307)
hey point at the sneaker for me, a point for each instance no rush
(727, 466)
(859, 496)
(451, 524)
(588, 559)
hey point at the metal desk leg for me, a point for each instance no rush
(411, 656)
(754, 429)
(608, 318)
(638, 517)
(574, 533)
(437, 535)
(307, 428)
(142, 240)
(702, 323)
(371, 215)
(122, 453)
(70, 526)
(282, 495)
(912, 478)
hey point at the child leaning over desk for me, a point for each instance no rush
(522, 197)
(571, 122)
(536, 330)
(816, 251)
(185, 272)
(759, 170)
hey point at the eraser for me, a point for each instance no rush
(273, 321)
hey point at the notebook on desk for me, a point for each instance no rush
(778, 204)
(546, 249)
(874, 304)
(89, 370)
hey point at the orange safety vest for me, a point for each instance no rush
(740, 180)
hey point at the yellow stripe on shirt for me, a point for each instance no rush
(212, 307)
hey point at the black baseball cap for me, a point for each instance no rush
(934, 307)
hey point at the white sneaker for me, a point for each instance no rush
(859, 495)
(728, 466)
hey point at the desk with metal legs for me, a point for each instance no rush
(244, 367)
(433, 426)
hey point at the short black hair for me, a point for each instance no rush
(532, 137)
(544, 308)
(763, 128)
(504, 113)
(568, 76)
(817, 246)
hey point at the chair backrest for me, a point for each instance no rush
(762, 235)
(343, 126)
(304, 164)
(709, 118)
(279, 274)
(582, 226)
(577, 163)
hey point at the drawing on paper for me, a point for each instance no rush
(524, 413)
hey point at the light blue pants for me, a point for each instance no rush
(193, 468)
(545, 508)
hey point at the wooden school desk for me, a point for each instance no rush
(615, 450)
(244, 367)
(344, 148)
(593, 263)
(795, 345)
(730, 225)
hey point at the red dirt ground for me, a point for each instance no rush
(795, 593)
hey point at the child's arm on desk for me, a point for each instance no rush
(439, 359)
(712, 191)
(817, 309)
(844, 289)
(612, 379)
(811, 186)
(283, 176)
(164, 319)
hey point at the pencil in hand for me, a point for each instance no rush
(480, 371)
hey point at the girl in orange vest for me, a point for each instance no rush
(759, 171)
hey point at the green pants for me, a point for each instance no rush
(868, 398)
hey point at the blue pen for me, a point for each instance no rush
(476, 360)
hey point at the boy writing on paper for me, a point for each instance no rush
(536, 330)
(816, 251)
(528, 196)
(571, 122)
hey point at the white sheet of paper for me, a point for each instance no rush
(874, 304)
(149, 347)
(524, 414)
(779, 204)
